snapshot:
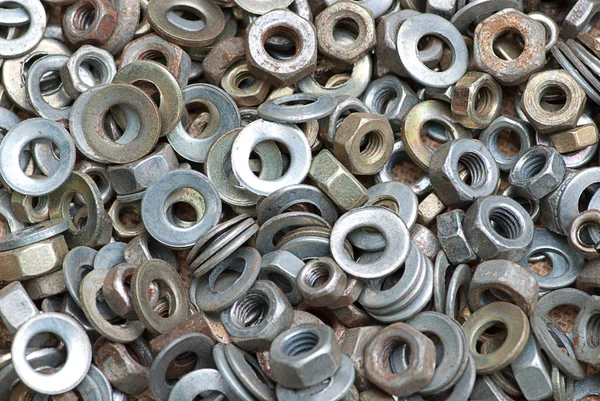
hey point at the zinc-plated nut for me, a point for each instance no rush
(281, 72)
(46, 286)
(538, 171)
(152, 47)
(337, 182)
(589, 278)
(30, 209)
(282, 268)
(137, 176)
(33, 260)
(305, 355)
(545, 121)
(476, 100)
(453, 239)
(353, 346)
(390, 97)
(503, 280)
(363, 143)
(16, 307)
(321, 282)
(498, 228)
(585, 331)
(100, 60)
(243, 87)
(335, 16)
(127, 371)
(532, 58)
(476, 159)
(102, 17)
(575, 139)
(532, 372)
(126, 230)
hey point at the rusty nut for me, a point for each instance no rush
(89, 22)
(363, 143)
(243, 87)
(539, 171)
(33, 260)
(477, 99)
(321, 282)
(222, 56)
(575, 139)
(126, 219)
(353, 346)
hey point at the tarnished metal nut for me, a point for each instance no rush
(388, 374)
(498, 227)
(337, 182)
(321, 282)
(153, 47)
(288, 24)
(46, 286)
(101, 61)
(515, 71)
(345, 105)
(33, 260)
(539, 171)
(243, 87)
(503, 280)
(16, 307)
(350, 294)
(282, 268)
(453, 239)
(353, 346)
(126, 219)
(363, 143)
(425, 240)
(144, 247)
(532, 372)
(90, 22)
(116, 292)
(575, 139)
(98, 173)
(305, 355)
(586, 333)
(589, 278)
(126, 367)
(545, 119)
(390, 97)
(582, 222)
(222, 56)
(138, 175)
(375, 395)
(349, 16)
(30, 209)
(579, 18)
(445, 175)
(476, 100)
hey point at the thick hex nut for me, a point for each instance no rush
(539, 171)
(305, 355)
(503, 280)
(452, 237)
(102, 62)
(281, 72)
(476, 159)
(363, 143)
(515, 71)
(243, 87)
(24, 209)
(345, 105)
(321, 282)
(282, 268)
(33, 260)
(131, 212)
(16, 307)
(335, 16)
(127, 373)
(585, 332)
(589, 278)
(255, 320)
(575, 139)
(153, 47)
(46, 286)
(103, 16)
(337, 182)
(353, 346)
(350, 294)
(222, 56)
(498, 227)
(532, 372)
(391, 98)
(549, 121)
(137, 176)
(477, 99)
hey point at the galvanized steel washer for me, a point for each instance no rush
(160, 225)
(259, 131)
(198, 382)
(32, 234)
(15, 141)
(261, 7)
(42, 67)
(32, 36)
(297, 108)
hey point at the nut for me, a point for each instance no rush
(305, 355)
(575, 139)
(539, 171)
(350, 294)
(126, 367)
(345, 105)
(222, 56)
(46, 286)
(321, 282)
(126, 219)
(16, 307)
(77, 27)
(337, 182)
(33, 260)
(547, 120)
(476, 100)
(375, 395)
(100, 60)
(452, 237)
(589, 278)
(352, 316)
(586, 343)
(532, 372)
(532, 58)
(243, 87)
(153, 47)
(425, 240)
(391, 98)
(498, 227)
(477, 161)
(363, 143)
(333, 18)
(138, 175)
(579, 18)
(282, 268)
(353, 346)
(30, 209)
(281, 72)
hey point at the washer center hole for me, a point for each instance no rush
(202, 119)
(186, 18)
(184, 207)
(552, 98)
(540, 264)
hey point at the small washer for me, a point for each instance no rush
(297, 108)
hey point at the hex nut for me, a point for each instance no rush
(223, 55)
(532, 372)
(102, 61)
(153, 47)
(588, 279)
(539, 171)
(130, 226)
(321, 282)
(352, 316)
(510, 72)
(30, 209)
(375, 395)
(33, 260)
(353, 346)
(586, 335)
(282, 268)
(138, 175)
(127, 372)
(243, 87)
(350, 294)
(429, 208)
(363, 143)
(453, 239)
(16, 307)
(337, 182)
(498, 227)
(476, 100)
(390, 97)
(345, 104)
(330, 20)
(575, 139)
(46, 286)
(103, 16)
(305, 355)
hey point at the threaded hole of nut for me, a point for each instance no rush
(162, 308)
(244, 80)
(39, 203)
(384, 99)
(250, 311)
(372, 146)
(97, 68)
(300, 343)
(552, 98)
(476, 168)
(281, 281)
(505, 223)
(154, 55)
(137, 354)
(129, 216)
(318, 276)
(486, 103)
(286, 34)
(395, 355)
(593, 331)
(84, 16)
(532, 165)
